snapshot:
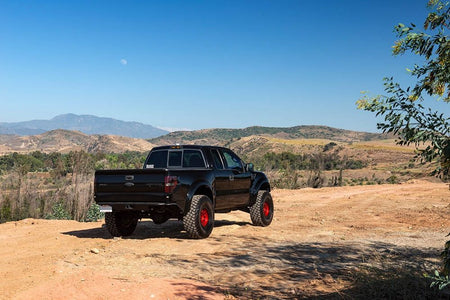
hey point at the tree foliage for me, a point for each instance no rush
(314, 161)
(403, 110)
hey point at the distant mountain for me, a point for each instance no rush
(65, 141)
(223, 136)
(85, 123)
(19, 130)
(251, 143)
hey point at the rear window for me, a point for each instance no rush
(188, 158)
(175, 158)
(193, 159)
(157, 159)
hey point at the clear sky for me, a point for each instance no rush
(201, 64)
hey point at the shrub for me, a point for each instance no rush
(59, 212)
(315, 180)
(392, 179)
(93, 214)
(5, 211)
(446, 257)
(438, 280)
(329, 146)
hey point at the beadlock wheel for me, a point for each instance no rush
(199, 221)
(261, 212)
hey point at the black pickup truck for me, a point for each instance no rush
(187, 182)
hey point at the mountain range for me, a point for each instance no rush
(87, 124)
(95, 134)
(65, 141)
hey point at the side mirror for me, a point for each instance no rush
(249, 167)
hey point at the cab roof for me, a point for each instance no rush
(183, 146)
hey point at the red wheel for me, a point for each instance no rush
(266, 209)
(204, 217)
(199, 220)
(261, 212)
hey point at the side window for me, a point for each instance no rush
(217, 160)
(157, 159)
(232, 160)
(175, 158)
(193, 159)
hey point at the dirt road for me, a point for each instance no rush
(328, 242)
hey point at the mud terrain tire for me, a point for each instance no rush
(121, 223)
(199, 221)
(261, 212)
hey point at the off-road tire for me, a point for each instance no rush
(261, 212)
(121, 223)
(199, 221)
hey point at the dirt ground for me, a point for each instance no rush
(323, 243)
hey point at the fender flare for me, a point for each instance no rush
(260, 183)
(199, 187)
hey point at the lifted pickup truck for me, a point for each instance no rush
(187, 182)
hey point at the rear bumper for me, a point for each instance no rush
(133, 197)
(136, 201)
(139, 206)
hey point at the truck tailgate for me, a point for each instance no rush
(130, 185)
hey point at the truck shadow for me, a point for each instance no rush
(147, 230)
(257, 269)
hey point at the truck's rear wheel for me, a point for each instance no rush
(199, 221)
(121, 223)
(261, 212)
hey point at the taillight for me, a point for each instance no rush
(170, 182)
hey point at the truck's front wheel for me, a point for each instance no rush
(121, 223)
(261, 212)
(199, 221)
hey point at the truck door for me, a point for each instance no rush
(224, 197)
(239, 179)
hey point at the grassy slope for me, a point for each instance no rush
(221, 135)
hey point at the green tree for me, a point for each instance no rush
(403, 110)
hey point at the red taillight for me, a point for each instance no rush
(170, 182)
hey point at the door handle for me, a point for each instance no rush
(129, 184)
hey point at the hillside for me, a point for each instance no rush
(65, 141)
(85, 123)
(219, 136)
(257, 140)
(301, 140)
(377, 151)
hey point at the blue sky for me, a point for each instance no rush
(201, 64)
